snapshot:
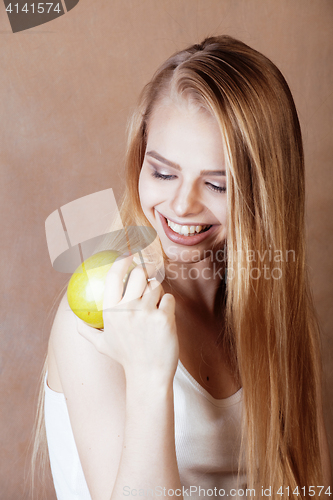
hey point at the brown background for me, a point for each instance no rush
(67, 89)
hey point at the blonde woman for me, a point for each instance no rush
(210, 383)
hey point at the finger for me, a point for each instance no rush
(168, 303)
(136, 284)
(152, 295)
(114, 284)
(88, 332)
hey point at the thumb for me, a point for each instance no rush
(168, 303)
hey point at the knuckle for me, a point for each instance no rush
(144, 269)
(137, 271)
(141, 270)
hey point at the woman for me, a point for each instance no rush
(211, 379)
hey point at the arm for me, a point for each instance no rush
(148, 457)
(94, 387)
(124, 437)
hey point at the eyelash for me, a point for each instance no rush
(218, 189)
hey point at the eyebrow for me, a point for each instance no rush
(160, 158)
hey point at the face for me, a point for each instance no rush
(182, 185)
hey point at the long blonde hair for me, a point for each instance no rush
(271, 327)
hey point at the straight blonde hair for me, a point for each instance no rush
(271, 328)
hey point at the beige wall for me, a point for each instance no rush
(67, 89)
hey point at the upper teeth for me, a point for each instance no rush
(185, 230)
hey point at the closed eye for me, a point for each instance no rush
(218, 189)
(157, 175)
(213, 187)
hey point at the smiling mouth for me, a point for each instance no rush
(187, 230)
(187, 235)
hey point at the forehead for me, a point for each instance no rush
(185, 133)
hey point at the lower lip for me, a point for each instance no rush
(180, 239)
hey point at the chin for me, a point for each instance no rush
(184, 255)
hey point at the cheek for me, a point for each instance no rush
(150, 193)
(221, 210)
(223, 216)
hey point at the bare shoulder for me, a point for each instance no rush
(94, 387)
(76, 359)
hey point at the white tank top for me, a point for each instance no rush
(207, 439)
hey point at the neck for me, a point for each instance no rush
(199, 285)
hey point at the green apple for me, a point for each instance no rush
(85, 289)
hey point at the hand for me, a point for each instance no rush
(139, 328)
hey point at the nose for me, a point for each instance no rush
(186, 200)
